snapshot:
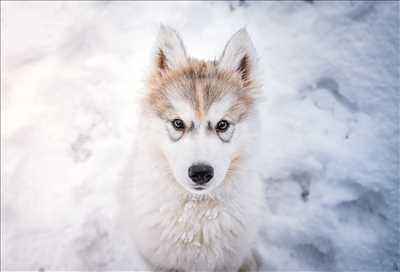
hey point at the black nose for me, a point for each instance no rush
(201, 173)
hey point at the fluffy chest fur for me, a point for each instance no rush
(198, 234)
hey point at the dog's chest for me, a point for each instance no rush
(195, 222)
(199, 231)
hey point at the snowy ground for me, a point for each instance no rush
(72, 71)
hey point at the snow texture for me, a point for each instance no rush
(71, 73)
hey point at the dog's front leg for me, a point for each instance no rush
(251, 263)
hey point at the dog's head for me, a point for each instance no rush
(202, 109)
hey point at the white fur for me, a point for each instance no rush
(172, 47)
(176, 227)
(237, 47)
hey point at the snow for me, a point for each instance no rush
(71, 73)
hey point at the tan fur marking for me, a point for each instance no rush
(234, 166)
(199, 100)
(201, 83)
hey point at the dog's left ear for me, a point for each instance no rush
(239, 55)
(170, 52)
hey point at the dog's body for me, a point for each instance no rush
(193, 200)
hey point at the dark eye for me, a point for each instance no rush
(222, 126)
(178, 124)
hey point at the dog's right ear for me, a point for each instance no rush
(170, 52)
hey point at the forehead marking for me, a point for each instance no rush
(202, 83)
(199, 92)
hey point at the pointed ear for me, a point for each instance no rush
(239, 55)
(169, 50)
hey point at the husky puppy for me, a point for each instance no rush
(192, 199)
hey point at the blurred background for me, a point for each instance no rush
(71, 73)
